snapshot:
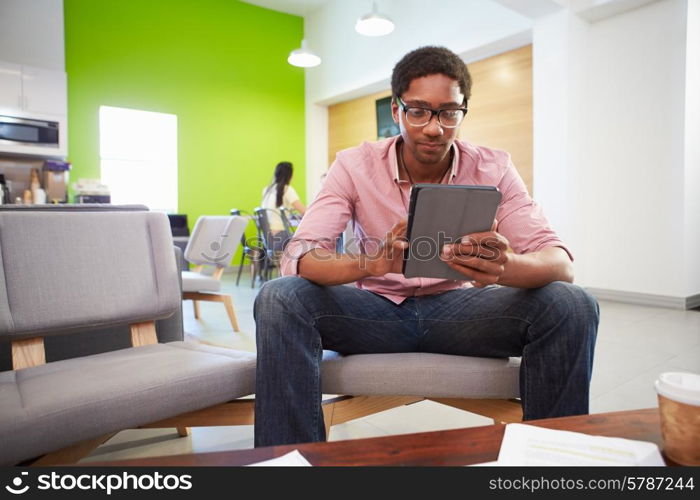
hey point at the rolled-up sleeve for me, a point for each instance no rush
(521, 219)
(324, 220)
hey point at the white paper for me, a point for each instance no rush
(530, 445)
(291, 459)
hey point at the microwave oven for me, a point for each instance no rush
(32, 135)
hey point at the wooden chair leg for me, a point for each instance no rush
(228, 303)
(195, 297)
(501, 411)
(195, 303)
(328, 418)
(237, 412)
(71, 454)
(27, 353)
(341, 409)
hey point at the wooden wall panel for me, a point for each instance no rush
(500, 111)
(352, 122)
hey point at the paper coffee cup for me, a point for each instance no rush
(679, 408)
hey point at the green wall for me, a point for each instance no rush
(219, 65)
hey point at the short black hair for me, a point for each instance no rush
(426, 61)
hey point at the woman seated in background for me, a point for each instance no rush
(279, 194)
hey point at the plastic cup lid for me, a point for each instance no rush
(679, 386)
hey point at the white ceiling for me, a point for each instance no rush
(592, 10)
(296, 7)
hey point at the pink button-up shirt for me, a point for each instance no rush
(363, 185)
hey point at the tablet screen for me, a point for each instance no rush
(440, 214)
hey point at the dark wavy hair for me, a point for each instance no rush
(282, 177)
(426, 61)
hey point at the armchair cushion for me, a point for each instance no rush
(197, 282)
(420, 374)
(76, 272)
(51, 406)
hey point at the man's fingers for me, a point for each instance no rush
(476, 263)
(395, 241)
(397, 231)
(462, 250)
(399, 244)
(481, 276)
(487, 238)
(479, 256)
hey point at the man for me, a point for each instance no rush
(519, 303)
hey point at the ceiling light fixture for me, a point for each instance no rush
(303, 57)
(374, 23)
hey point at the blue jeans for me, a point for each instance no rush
(553, 328)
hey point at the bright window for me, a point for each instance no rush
(138, 157)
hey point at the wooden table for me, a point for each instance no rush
(452, 447)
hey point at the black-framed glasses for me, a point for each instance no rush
(419, 116)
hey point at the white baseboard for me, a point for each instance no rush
(646, 299)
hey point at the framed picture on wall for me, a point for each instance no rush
(385, 123)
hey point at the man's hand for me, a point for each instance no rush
(479, 256)
(389, 256)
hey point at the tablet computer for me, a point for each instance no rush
(440, 214)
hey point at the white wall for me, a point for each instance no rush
(619, 134)
(31, 33)
(556, 54)
(632, 105)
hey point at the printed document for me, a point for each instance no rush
(530, 445)
(291, 459)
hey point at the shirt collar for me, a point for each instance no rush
(455, 162)
(393, 158)
(394, 164)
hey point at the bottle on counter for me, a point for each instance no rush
(38, 194)
(34, 179)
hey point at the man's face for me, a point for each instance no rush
(431, 143)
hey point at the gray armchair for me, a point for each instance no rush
(81, 275)
(370, 383)
(213, 242)
(100, 340)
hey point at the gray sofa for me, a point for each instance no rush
(83, 343)
(82, 282)
(82, 277)
(90, 342)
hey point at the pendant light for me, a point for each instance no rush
(303, 57)
(374, 23)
